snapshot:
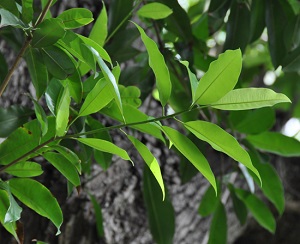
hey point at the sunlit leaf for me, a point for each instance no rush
(25, 169)
(220, 78)
(249, 98)
(76, 17)
(154, 11)
(38, 198)
(62, 112)
(99, 30)
(41, 117)
(193, 79)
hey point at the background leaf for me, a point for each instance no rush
(218, 227)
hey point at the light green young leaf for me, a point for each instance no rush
(8, 19)
(105, 146)
(130, 95)
(38, 198)
(62, 115)
(258, 209)
(150, 160)
(99, 30)
(191, 152)
(27, 10)
(220, 78)
(218, 227)
(4, 205)
(41, 117)
(249, 98)
(155, 11)
(97, 98)
(221, 141)
(159, 67)
(48, 32)
(276, 143)
(37, 71)
(64, 166)
(14, 210)
(70, 155)
(58, 62)
(110, 78)
(76, 17)
(25, 169)
(160, 213)
(193, 79)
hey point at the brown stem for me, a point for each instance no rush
(43, 13)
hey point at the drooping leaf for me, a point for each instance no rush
(257, 19)
(53, 94)
(64, 166)
(110, 78)
(221, 141)
(58, 62)
(150, 160)
(48, 32)
(249, 98)
(97, 98)
(276, 143)
(9, 19)
(98, 214)
(193, 79)
(105, 146)
(41, 117)
(154, 11)
(11, 118)
(62, 112)
(75, 17)
(37, 70)
(191, 152)
(218, 227)
(4, 205)
(258, 209)
(99, 30)
(160, 213)
(209, 202)
(159, 67)
(70, 155)
(25, 169)
(239, 206)
(220, 78)
(38, 198)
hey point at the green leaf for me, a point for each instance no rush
(96, 99)
(62, 115)
(38, 198)
(159, 67)
(150, 160)
(10, 5)
(70, 155)
(4, 205)
(154, 11)
(53, 94)
(64, 166)
(75, 17)
(218, 227)
(192, 153)
(14, 210)
(291, 62)
(75, 86)
(258, 209)
(99, 30)
(257, 19)
(249, 98)
(105, 146)
(103, 159)
(110, 78)
(27, 10)
(160, 213)
(130, 95)
(209, 202)
(41, 117)
(98, 214)
(252, 121)
(9, 19)
(37, 71)
(291, 33)
(3, 67)
(239, 207)
(58, 62)
(25, 169)
(221, 141)
(220, 78)
(276, 143)
(11, 118)
(193, 79)
(48, 32)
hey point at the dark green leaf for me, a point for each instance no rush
(238, 206)
(41, 117)
(64, 166)
(27, 10)
(76, 17)
(218, 227)
(98, 214)
(3, 67)
(75, 86)
(25, 169)
(48, 32)
(257, 19)
(10, 5)
(53, 93)
(160, 213)
(291, 62)
(9, 19)
(38, 198)
(276, 143)
(209, 202)
(11, 118)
